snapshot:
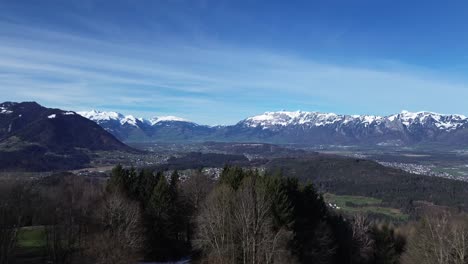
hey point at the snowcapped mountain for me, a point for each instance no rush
(329, 128)
(284, 118)
(270, 120)
(155, 120)
(99, 116)
(297, 127)
(132, 129)
(104, 117)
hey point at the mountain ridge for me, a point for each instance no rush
(315, 128)
(276, 116)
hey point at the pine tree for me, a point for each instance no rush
(160, 200)
(117, 180)
(173, 184)
(158, 211)
(232, 176)
(146, 183)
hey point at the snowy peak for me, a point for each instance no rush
(295, 127)
(131, 120)
(103, 117)
(135, 129)
(317, 119)
(441, 121)
(159, 119)
(285, 118)
(311, 119)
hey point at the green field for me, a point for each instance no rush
(454, 171)
(31, 237)
(31, 246)
(366, 205)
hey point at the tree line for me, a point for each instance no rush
(244, 216)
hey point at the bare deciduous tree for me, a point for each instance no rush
(119, 237)
(196, 188)
(439, 239)
(237, 226)
(253, 222)
(65, 208)
(458, 243)
(361, 236)
(215, 232)
(194, 191)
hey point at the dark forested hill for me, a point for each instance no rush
(33, 137)
(350, 176)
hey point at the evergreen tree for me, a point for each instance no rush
(175, 213)
(389, 246)
(117, 180)
(160, 200)
(146, 183)
(282, 208)
(173, 184)
(232, 176)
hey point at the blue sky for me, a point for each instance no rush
(216, 62)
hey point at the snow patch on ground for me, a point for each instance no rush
(4, 110)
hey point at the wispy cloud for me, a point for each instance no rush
(205, 82)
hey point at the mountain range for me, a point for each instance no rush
(39, 138)
(128, 128)
(299, 127)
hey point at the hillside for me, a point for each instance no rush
(33, 137)
(348, 176)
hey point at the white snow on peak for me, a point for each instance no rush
(369, 119)
(285, 118)
(129, 119)
(156, 119)
(316, 119)
(308, 119)
(98, 116)
(52, 116)
(441, 121)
